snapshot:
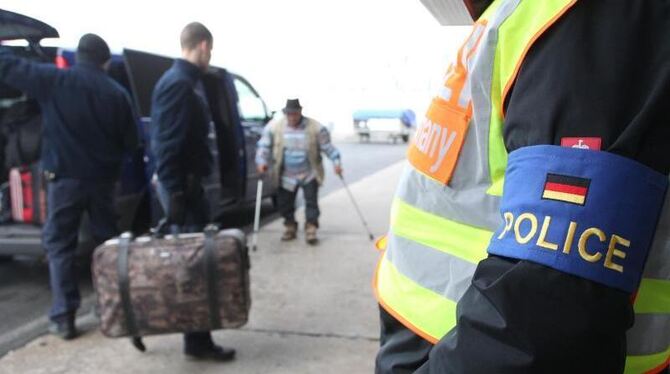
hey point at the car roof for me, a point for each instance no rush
(14, 26)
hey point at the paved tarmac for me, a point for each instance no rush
(313, 310)
(24, 283)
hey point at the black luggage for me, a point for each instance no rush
(22, 130)
(5, 204)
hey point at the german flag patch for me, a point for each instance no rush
(565, 188)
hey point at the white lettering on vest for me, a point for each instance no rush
(431, 138)
(445, 145)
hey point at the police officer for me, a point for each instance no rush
(557, 290)
(180, 126)
(88, 127)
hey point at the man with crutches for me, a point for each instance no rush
(293, 144)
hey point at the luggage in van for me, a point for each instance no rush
(27, 189)
(5, 204)
(22, 130)
(156, 285)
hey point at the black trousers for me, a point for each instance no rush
(286, 202)
(522, 317)
(67, 201)
(400, 350)
(197, 216)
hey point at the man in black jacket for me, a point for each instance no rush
(89, 126)
(180, 125)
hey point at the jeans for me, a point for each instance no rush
(286, 203)
(67, 200)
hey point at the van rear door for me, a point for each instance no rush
(14, 26)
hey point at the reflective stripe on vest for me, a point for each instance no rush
(440, 231)
(648, 341)
(463, 204)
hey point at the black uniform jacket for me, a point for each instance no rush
(89, 124)
(179, 127)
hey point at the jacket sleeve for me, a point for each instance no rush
(264, 146)
(129, 126)
(34, 79)
(523, 317)
(327, 146)
(172, 111)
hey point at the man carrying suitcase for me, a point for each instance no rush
(180, 125)
(82, 153)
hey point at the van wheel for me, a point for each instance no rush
(6, 258)
(405, 138)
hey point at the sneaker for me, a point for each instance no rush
(65, 330)
(212, 353)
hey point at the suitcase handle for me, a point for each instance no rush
(158, 232)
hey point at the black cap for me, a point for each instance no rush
(93, 49)
(292, 106)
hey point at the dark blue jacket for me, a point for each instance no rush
(89, 123)
(179, 127)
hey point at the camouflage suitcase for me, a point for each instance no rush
(194, 282)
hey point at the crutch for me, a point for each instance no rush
(360, 214)
(257, 213)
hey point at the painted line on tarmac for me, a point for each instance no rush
(313, 334)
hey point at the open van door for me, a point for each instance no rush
(231, 154)
(253, 116)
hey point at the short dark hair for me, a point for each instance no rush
(193, 34)
(93, 49)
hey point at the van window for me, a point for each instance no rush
(250, 105)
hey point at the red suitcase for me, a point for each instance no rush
(27, 191)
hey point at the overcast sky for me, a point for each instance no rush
(335, 55)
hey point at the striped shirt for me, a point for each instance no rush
(296, 168)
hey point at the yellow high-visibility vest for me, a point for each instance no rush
(446, 206)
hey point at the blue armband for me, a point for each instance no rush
(587, 213)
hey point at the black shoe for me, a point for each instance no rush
(65, 330)
(213, 353)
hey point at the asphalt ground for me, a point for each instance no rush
(24, 282)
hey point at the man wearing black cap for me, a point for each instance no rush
(89, 126)
(180, 119)
(294, 144)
